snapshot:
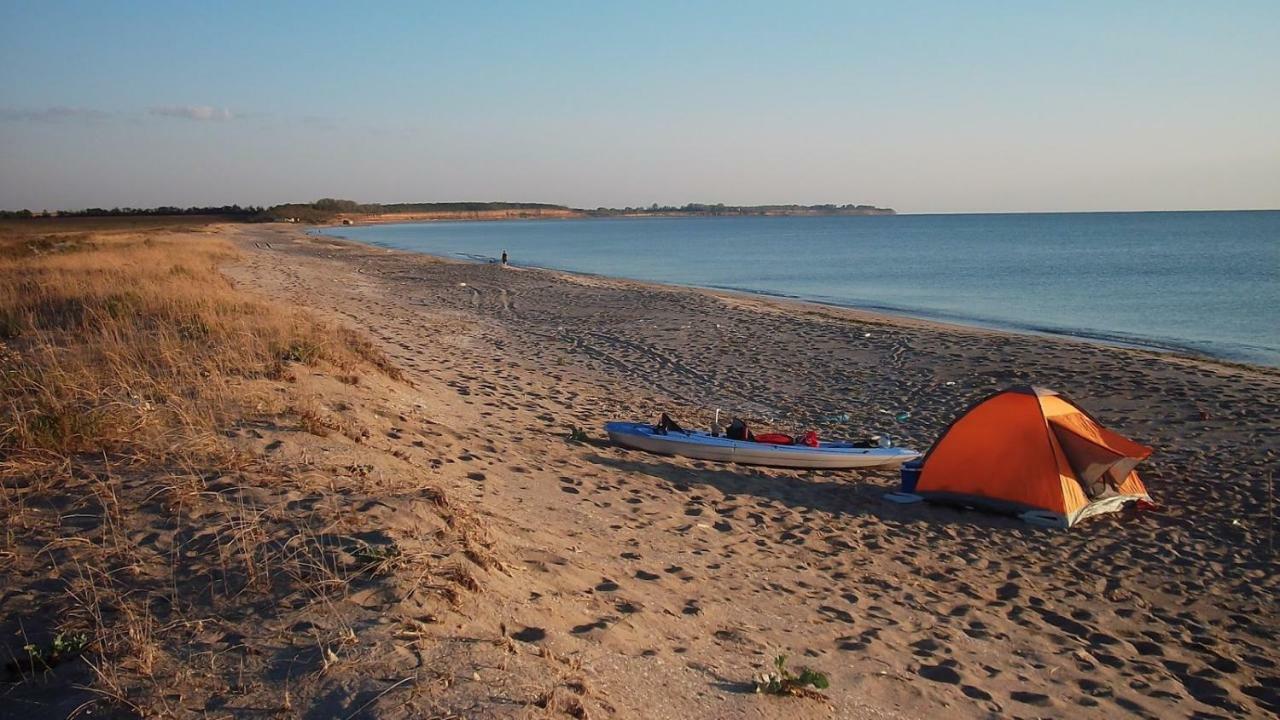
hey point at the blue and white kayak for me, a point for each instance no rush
(704, 446)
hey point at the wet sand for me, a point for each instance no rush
(672, 582)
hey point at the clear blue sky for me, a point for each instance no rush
(923, 106)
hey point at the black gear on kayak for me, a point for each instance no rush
(666, 424)
(738, 430)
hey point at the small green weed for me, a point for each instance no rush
(782, 681)
(577, 434)
(39, 659)
(377, 559)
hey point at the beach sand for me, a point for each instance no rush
(672, 582)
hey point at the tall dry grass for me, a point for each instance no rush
(124, 356)
(135, 344)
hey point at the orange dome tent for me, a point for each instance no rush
(1032, 451)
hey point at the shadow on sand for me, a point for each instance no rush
(810, 491)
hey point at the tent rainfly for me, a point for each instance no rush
(1033, 452)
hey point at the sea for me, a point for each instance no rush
(1200, 283)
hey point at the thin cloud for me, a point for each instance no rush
(54, 114)
(198, 113)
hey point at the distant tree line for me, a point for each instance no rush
(326, 209)
(245, 212)
(468, 207)
(322, 210)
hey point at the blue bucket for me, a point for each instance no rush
(911, 475)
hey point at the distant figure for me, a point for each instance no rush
(504, 258)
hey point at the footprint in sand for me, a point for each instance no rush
(924, 648)
(601, 624)
(940, 673)
(530, 634)
(1031, 698)
(837, 614)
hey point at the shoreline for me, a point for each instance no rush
(869, 313)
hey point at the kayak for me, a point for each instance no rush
(705, 446)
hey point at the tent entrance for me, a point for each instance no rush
(1099, 468)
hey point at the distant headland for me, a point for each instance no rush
(722, 209)
(333, 210)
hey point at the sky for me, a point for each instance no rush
(920, 106)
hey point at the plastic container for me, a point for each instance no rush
(911, 475)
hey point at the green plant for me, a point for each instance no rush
(782, 681)
(377, 559)
(63, 646)
(577, 434)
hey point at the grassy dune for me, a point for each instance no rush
(145, 550)
(135, 344)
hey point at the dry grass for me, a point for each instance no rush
(128, 518)
(135, 343)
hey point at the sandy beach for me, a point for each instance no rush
(250, 471)
(671, 582)
(339, 349)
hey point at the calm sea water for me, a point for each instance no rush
(1200, 282)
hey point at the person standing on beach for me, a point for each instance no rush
(504, 258)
